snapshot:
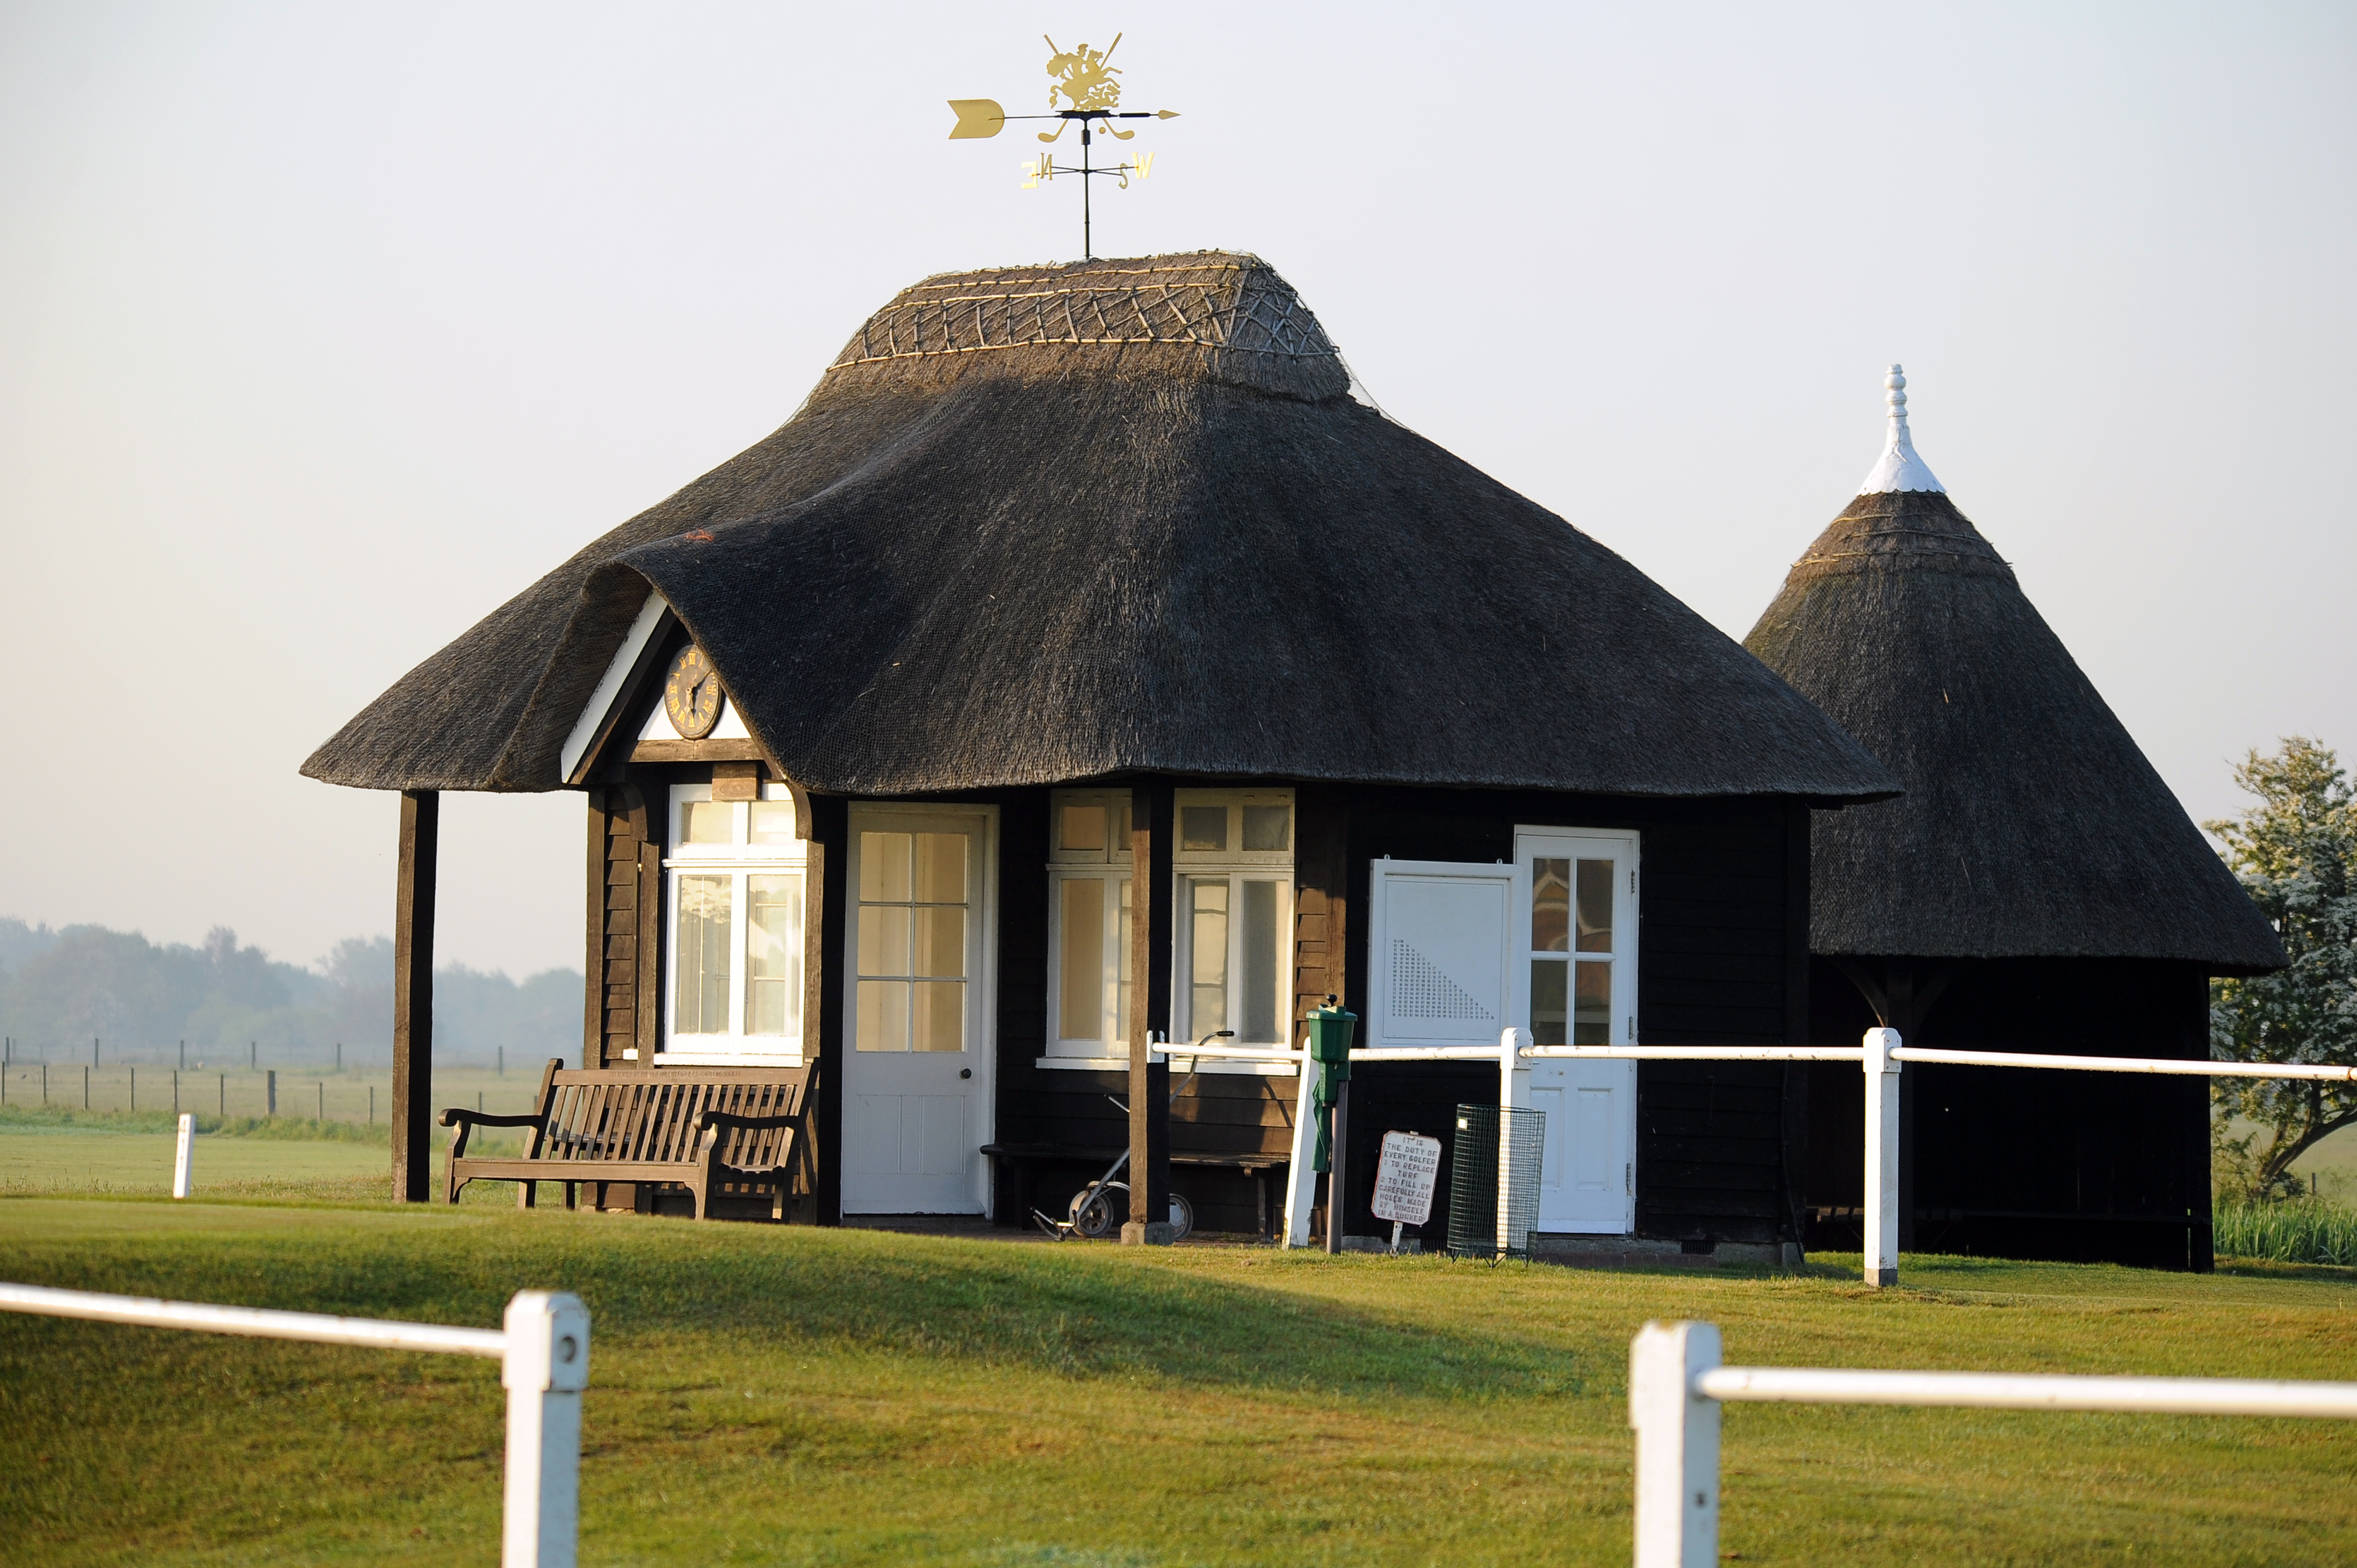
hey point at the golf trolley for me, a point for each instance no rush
(1091, 1213)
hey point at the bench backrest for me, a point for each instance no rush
(602, 1113)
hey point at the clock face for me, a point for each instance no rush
(691, 694)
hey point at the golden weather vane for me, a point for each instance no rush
(1084, 77)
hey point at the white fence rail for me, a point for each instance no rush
(1676, 1386)
(544, 1356)
(1880, 1055)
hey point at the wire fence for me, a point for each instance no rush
(315, 1094)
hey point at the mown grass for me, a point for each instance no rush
(765, 1394)
(2313, 1230)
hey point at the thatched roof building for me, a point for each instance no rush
(1050, 523)
(2032, 825)
(1098, 581)
(2038, 888)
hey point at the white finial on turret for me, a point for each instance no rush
(1899, 468)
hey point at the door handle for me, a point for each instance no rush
(966, 1072)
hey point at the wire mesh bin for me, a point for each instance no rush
(1483, 1145)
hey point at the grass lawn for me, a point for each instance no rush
(142, 1162)
(765, 1394)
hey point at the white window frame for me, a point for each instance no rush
(739, 859)
(1114, 866)
(1107, 1045)
(1622, 846)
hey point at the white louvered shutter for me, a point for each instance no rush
(1440, 942)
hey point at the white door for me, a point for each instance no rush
(917, 1089)
(1575, 976)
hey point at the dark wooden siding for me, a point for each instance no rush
(2081, 1167)
(621, 978)
(1717, 950)
(1721, 962)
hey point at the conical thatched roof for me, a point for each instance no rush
(2032, 825)
(1062, 523)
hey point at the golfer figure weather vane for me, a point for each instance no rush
(1085, 78)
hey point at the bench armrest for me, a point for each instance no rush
(457, 1113)
(706, 1121)
(467, 1121)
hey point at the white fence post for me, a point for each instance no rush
(1300, 1181)
(181, 1155)
(1881, 1231)
(544, 1369)
(1514, 1094)
(1677, 1444)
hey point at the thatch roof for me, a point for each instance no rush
(1064, 522)
(2032, 825)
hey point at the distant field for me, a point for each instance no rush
(786, 1395)
(142, 1162)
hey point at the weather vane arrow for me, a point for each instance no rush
(1085, 78)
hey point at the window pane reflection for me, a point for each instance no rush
(941, 942)
(774, 955)
(707, 822)
(1084, 829)
(883, 1015)
(772, 821)
(1591, 1023)
(884, 939)
(1121, 942)
(1547, 1002)
(1202, 827)
(1595, 906)
(940, 868)
(1080, 1004)
(884, 867)
(1551, 906)
(1208, 942)
(939, 1015)
(1266, 968)
(700, 989)
(1268, 827)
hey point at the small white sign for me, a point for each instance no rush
(1403, 1177)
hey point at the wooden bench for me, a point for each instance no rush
(713, 1130)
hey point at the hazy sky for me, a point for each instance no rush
(326, 328)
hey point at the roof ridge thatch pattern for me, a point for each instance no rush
(1214, 303)
(2032, 825)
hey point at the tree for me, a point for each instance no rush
(2296, 853)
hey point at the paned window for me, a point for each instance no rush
(1579, 952)
(1089, 914)
(737, 885)
(1234, 865)
(1233, 904)
(914, 902)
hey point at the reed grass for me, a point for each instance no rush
(2291, 1231)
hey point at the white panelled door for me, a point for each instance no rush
(1440, 970)
(1575, 982)
(917, 1080)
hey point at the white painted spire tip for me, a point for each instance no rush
(1898, 469)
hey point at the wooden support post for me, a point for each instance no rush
(412, 998)
(1151, 844)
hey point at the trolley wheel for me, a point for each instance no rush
(1093, 1213)
(1182, 1218)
